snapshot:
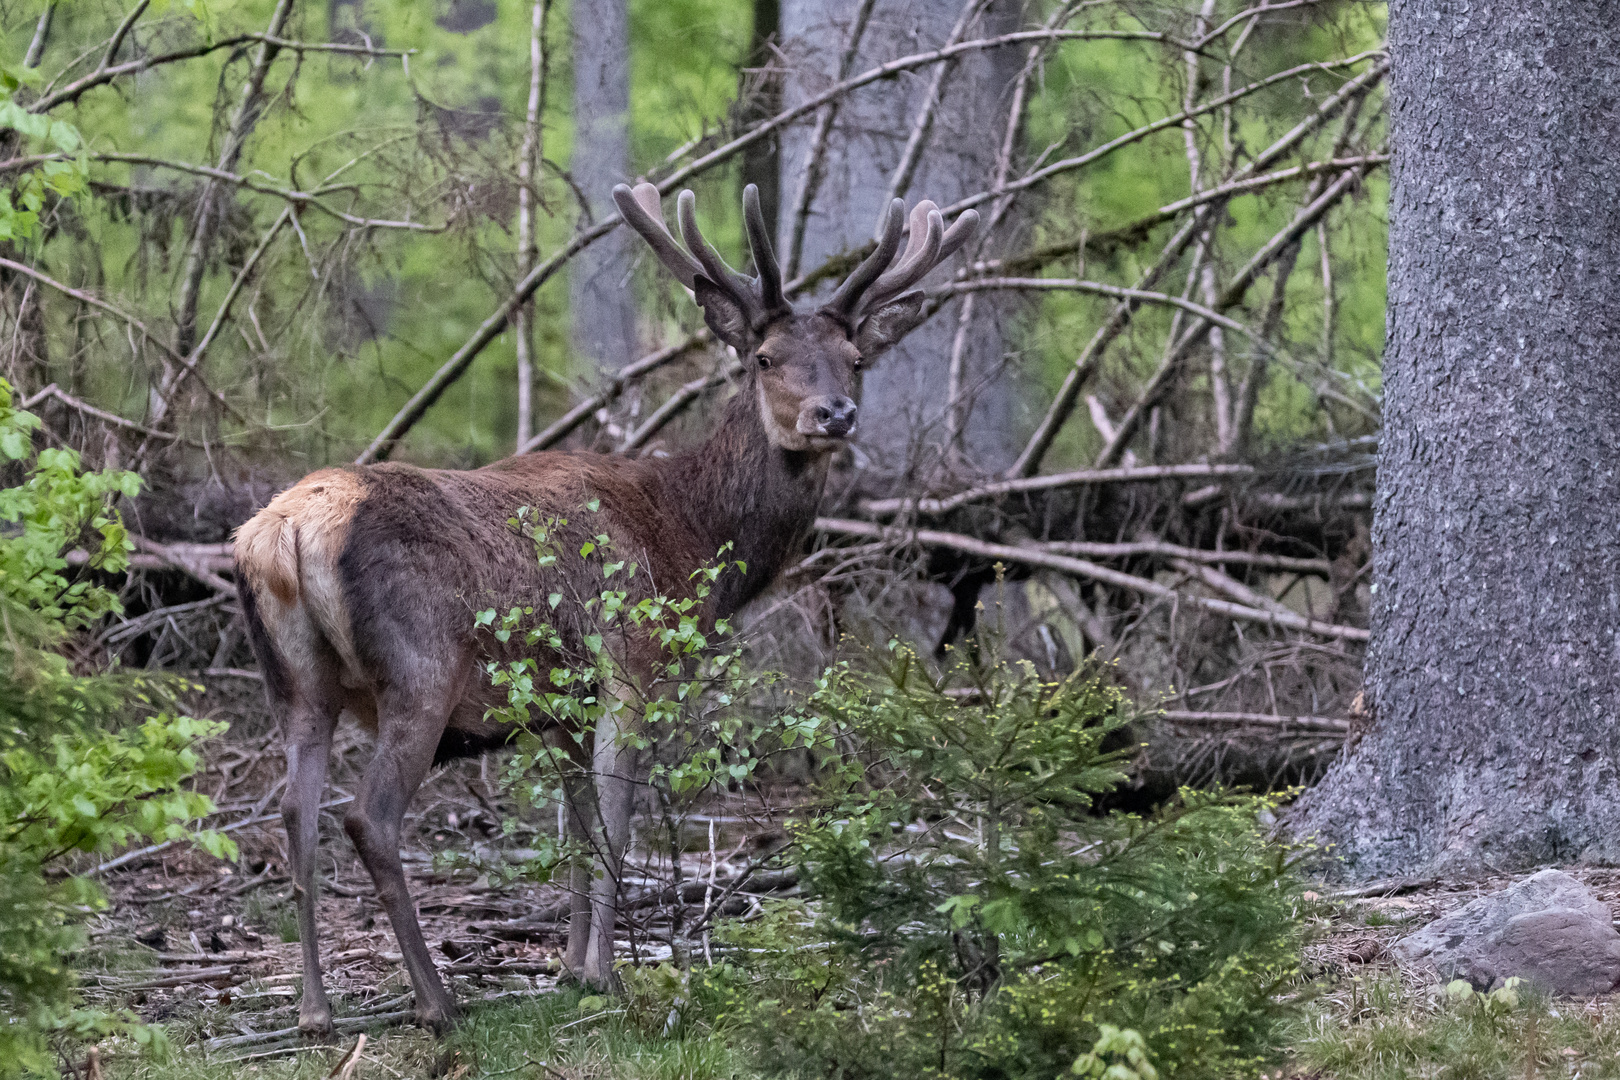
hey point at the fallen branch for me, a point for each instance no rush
(210, 975)
(1087, 549)
(153, 849)
(1035, 556)
(54, 391)
(1313, 724)
(345, 1026)
(199, 564)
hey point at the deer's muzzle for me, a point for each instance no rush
(831, 417)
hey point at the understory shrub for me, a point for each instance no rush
(88, 761)
(969, 913)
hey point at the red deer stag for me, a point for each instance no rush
(359, 584)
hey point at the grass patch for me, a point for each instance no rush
(549, 1037)
(1375, 1028)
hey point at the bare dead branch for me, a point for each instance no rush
(629, 373)
(107, 73)
(1096, 154)
(1086, 363)
(56, 392)
(1231, 295)
(1132, 549)
(677, 402)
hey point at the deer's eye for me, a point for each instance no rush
(764, 361)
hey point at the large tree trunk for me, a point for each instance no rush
(600, 302)
(904, 402)
(1494, 667)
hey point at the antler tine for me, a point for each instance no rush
(960, 232)
(921, 258)
(714, 267)
(846, 301)
(642, 211)
(922, 254)
(759, 241)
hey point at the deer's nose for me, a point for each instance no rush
(835, 416)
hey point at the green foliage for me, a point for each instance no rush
(973, 914)
(55, 507)
(608, 650)
(63, 174)
(1117, 1055)
(88, 763)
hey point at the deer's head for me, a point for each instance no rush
(803, 365)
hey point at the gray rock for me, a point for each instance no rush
(1548, 929)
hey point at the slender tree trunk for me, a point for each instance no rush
(603, 310)
(953, 152)
(529, 156)
(761, 99)
(248, 109)
(1494, 667)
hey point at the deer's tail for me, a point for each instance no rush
(289, 581)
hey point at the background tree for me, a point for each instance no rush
(1492, 669)
(932, 134)
(600, 301)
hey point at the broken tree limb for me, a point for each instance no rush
(200, 564)
(1089, 550)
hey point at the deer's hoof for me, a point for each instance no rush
(438, 1019)
(315, 1023)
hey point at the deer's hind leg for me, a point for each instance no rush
(410, 723)
(307, 738)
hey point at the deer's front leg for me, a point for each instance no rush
(308, 742)
(614, 766)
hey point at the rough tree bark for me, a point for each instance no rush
(863, 158)
(600, 301)
(1494, 666)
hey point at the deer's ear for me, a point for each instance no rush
(883, 328)
(722, 312)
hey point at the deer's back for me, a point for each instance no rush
(381, 569)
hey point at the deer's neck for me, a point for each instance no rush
(736, 487)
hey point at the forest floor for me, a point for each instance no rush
(210, 950)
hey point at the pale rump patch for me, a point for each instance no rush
(289, 551)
